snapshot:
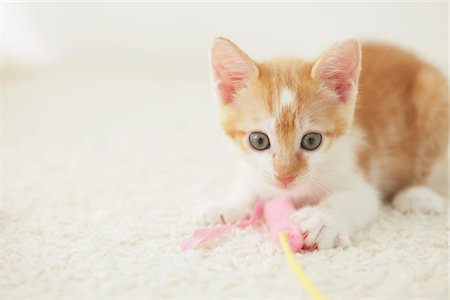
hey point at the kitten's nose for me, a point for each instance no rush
(285, 180)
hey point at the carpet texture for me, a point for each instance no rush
(101, 170)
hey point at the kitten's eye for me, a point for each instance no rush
(311, 141)
(259, 141)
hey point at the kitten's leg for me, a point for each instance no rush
(233, 208)
(335, 218)
(419, 199)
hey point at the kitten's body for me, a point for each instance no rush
(387, 147)
(403, 110)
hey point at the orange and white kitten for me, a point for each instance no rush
(337, 135)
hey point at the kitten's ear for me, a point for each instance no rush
(231, 68)
(339, 67)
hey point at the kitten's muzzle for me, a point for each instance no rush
(285, 180)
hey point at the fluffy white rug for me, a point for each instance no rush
(101, 171)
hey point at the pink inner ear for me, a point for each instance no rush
(342, 85)
(230, 70)
(228, 82)
(340, 67)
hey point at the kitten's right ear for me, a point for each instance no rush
(231, 68)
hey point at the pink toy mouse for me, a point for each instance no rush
(276, 213)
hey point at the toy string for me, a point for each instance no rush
(301, 276)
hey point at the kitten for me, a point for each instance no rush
(337, 135)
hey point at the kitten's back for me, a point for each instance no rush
(403, 110)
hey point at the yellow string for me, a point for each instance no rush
(301, 276)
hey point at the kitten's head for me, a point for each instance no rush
(286, 114)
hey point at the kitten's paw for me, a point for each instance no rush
(215, 213)
(323, 231)
(419, 199)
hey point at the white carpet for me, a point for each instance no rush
(101, 170)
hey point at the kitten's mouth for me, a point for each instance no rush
(286, 186)
(282, 186)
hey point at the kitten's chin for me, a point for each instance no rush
(277, 190)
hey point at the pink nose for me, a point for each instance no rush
(285, 180)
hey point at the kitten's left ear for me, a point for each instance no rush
(339, 67)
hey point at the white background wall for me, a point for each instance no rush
(177, 35)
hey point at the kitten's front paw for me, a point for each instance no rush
(323, 231)
(215, 213)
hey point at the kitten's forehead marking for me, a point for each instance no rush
(286, 119)
(286, 97)
(285, 102)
